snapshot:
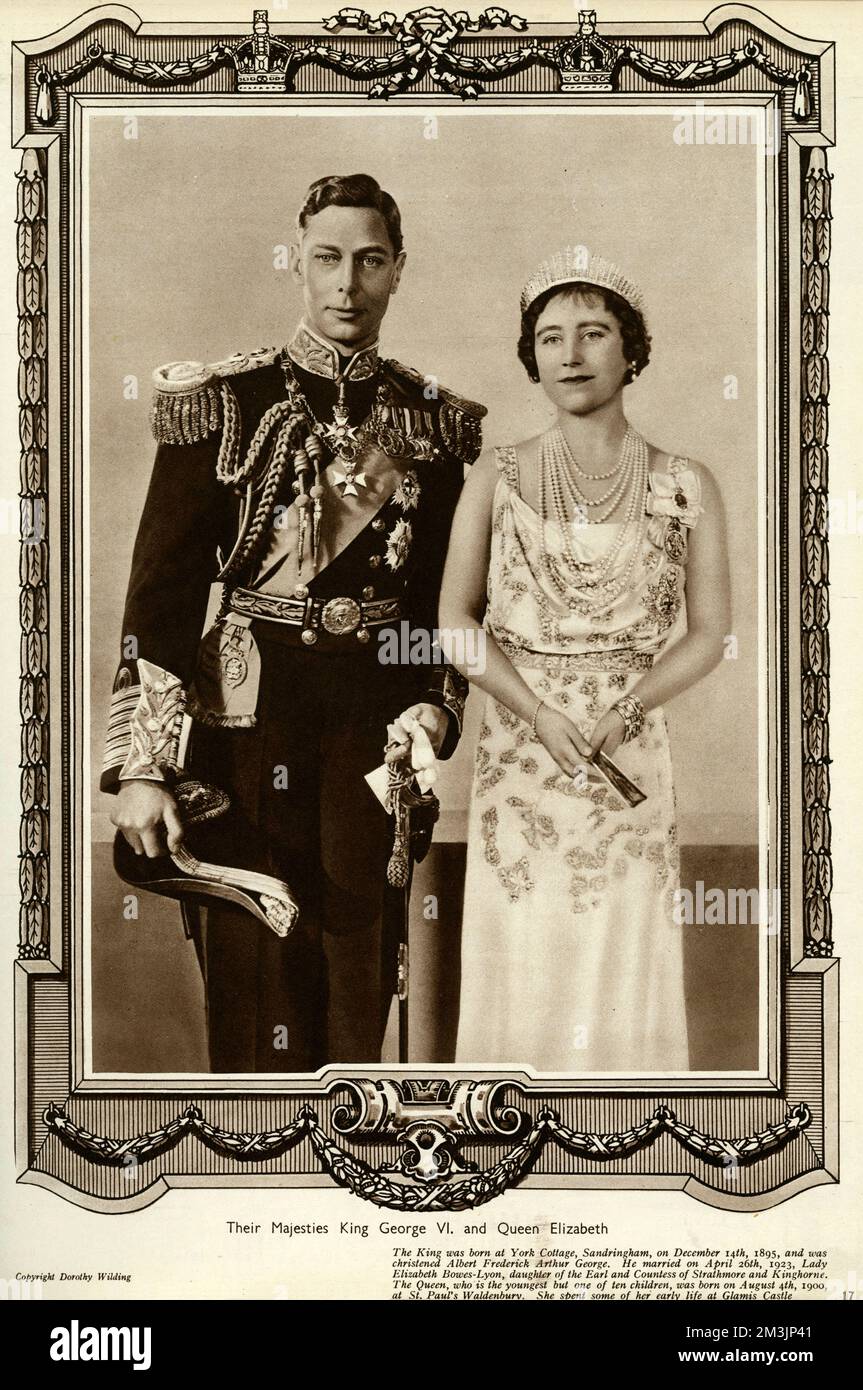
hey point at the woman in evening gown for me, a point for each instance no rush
(573, 551)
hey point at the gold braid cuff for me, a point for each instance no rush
(118, 739)
(155, 725)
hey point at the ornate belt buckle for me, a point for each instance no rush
(341, 615)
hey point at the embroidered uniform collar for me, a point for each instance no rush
(320, 358)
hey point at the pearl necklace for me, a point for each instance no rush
(583, 473)
(579, 501)
(574, 495)
(588, 586)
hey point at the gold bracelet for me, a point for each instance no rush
(631, 711)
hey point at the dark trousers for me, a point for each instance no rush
(301, 810)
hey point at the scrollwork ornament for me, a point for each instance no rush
(425, 46)
(428, 1154)
(588, 63)
(431, 1174)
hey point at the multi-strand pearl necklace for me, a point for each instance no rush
(589, 585)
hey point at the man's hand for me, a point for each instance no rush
(147, 814)
(433, 719)
(418, 733)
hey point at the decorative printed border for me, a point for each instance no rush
(429, 1154)
(423, 47)
(33, 432)
(425, 1127)
(815, 638)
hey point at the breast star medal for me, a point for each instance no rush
(398, 544)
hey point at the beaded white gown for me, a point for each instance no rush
(571, 959)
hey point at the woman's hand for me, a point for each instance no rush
(608, 733)
(147, 814)
(562, 739)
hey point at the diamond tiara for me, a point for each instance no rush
(576, 263)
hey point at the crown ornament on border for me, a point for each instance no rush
(586, 62)
(424, 45)
(261, 61)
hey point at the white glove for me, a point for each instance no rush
(407, 729)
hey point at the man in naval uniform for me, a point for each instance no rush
(317, 484)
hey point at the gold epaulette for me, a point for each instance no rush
(193, 399)
(458, 418)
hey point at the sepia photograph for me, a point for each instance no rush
(432, 765)
(509, 398)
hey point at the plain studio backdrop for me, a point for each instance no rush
(188, 215)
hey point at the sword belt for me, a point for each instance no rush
(339, 617)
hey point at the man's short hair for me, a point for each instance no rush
(352, 191)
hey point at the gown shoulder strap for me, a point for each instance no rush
(507, 464)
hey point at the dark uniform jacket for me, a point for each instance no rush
(209, 512)
(289, 677)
